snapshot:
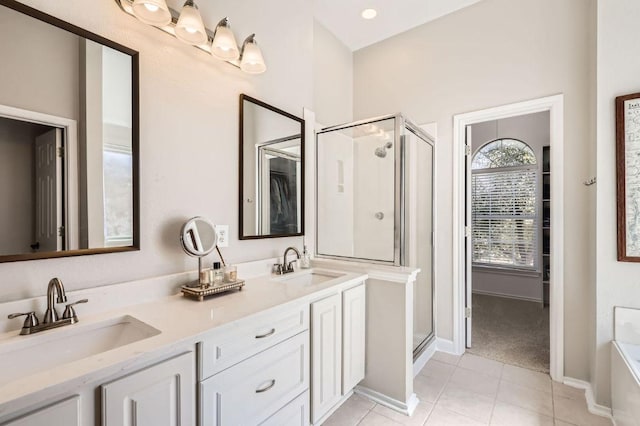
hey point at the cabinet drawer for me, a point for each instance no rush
(295, 413)
(253, 390)
(249, 337)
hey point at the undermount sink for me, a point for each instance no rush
(312, 278)
(26, 355)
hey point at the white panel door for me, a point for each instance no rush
(353, 337)
(48, 190)
(63, 413)
(326, 355)
(161, 395)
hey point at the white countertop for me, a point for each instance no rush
(182, 322)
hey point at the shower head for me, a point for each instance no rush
(381, 151)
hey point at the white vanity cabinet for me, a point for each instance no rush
(337, 348)
(62, 413)
(326, 355)
(353, 337)
(257, 370)
(160, 395)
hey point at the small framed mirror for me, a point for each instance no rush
(271, 171)
(198, 238)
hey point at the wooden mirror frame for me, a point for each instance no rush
(135, 133)
(262, 104)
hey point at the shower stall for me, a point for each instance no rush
(374, 201)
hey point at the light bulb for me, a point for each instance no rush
(369, 13)
(152, 12)
(189, 28)
(251, 60)
(224, 44)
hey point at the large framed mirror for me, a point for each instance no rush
(271, 171)
(69, 144)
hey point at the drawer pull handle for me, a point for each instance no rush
(266, 388)
(262, 336)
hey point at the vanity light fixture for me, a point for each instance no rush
(152, 12)
(188, 27)
(369, 13)
(251, 60)
(224, 45)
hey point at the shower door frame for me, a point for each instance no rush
(398, 188)
(401, 126)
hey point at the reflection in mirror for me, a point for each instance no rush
(198, 237)
(271, 171)
(68, 139)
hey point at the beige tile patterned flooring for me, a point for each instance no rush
(470, 390)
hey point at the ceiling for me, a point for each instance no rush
(342, 17)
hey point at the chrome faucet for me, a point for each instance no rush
(50, 320)
(285, 268)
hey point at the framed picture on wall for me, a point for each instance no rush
(628, 176)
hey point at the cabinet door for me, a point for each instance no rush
(161, 395)
(326, 355)
(353, 337)
(63, 413)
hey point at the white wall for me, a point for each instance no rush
(492, 53)
(533, 129)
(332, 78)
(188, 137)
(618, 283)
(43, 76)
(336, 192)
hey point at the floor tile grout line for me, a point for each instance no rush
(495, 397)
(366, 414)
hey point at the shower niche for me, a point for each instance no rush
(374, 198)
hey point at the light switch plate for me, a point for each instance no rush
(223, 235)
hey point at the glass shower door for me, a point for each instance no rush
(419, 166)
(356, 191)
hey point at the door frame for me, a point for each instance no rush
(70, 143)
(555, 105)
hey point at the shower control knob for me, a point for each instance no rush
(379, 215)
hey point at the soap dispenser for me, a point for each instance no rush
(305, 260)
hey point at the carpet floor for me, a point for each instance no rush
(512, 331)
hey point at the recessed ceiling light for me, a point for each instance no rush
(369, 13)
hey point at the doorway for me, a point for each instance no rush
(463, 241)
(509, 251)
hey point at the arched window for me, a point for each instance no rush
(504, 219)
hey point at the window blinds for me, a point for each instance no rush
(504, 218)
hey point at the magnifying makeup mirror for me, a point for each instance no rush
(198, 238)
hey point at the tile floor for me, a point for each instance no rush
(470, 390)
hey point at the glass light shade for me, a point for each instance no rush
(152, 12)
(224, 44)
(252, 61)
(190, 28)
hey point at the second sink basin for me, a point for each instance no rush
(312, 277)
(22, 356)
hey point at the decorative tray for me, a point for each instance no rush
(196, 291)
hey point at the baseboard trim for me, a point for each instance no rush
(444, 345)
(424, 357)
(406, 408)
(506, 296)
(592, 406)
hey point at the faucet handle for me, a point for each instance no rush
(69, 312)
(277, 269)
(31, 319)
